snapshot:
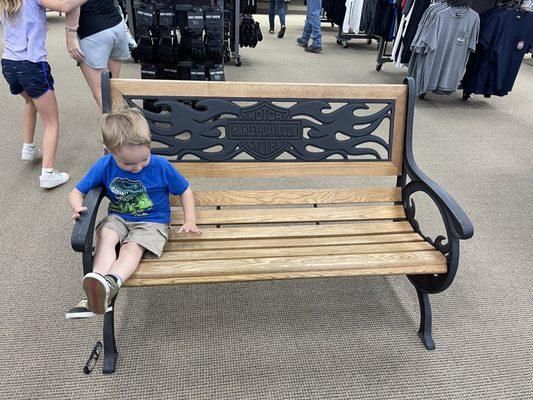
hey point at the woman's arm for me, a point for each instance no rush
(72, 19)
(65, 6)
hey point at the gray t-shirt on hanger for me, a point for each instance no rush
(445, 43)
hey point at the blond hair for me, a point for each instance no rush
(10, 8)
(125, 126)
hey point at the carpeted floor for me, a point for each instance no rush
(306, 339)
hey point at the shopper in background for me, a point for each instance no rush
(28, 74)
(280, 5)
(312, 28)
(97, 40)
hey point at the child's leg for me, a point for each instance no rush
(128, 260)
(102, 290)
(47, 107)
(105, 254)
(29, 119)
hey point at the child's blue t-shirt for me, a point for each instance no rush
(142, 196)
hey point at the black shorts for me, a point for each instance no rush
(26, 76)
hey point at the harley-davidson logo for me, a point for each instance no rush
(265, 131)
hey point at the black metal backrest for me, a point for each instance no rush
(349, 129)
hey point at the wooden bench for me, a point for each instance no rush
(273, 131)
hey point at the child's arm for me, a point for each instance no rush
(62, 5)
(189, 213)
(75, 199)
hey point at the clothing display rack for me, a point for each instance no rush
(506, 35)
(334, 12)
(384, 56)
(231, 21)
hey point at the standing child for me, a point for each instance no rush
(138, 185)
(28, 74)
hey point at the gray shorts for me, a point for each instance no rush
(109, 44)
(150, 235)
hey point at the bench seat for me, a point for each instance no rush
(243, 240)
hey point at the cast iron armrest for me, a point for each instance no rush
(462, 226)
(82, 233)
(456, 223)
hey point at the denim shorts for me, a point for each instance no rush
(102, 46)
(25, 76)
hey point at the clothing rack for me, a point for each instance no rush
(344, 38)
(234, 24)
(383, 57)
(477, 5)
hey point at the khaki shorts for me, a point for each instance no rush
(150, 235)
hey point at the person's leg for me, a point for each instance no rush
(105, 254)
(29, 119)
(306, 35)
(128, 260)
(114, 67)
(271, 15)
(47, 108)
(93, 77)
(314, 8)
(281, 12)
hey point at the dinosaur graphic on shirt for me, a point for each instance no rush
(131, 197)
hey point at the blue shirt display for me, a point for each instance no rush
(505, 37)
(142, 196)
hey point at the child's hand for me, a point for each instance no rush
(78, 211)
(189, 227)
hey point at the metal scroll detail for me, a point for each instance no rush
(306, 130)
(447, 244)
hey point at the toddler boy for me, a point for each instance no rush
(137, 185)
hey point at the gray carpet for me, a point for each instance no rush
(303, 339)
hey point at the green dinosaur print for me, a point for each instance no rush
(131, 197)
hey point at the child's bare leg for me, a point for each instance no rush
(47, 108)
(105, 254)
(128, 260)
(29, 119)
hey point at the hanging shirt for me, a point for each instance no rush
(506, 34)
(352, 18)
(444, 45)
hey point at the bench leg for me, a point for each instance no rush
(110, 348)
(425, 320)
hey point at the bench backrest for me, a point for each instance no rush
(231, 129)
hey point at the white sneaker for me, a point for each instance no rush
(30, 154)
(53, 179)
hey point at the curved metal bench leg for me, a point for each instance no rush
(110, 348)
(425, 320)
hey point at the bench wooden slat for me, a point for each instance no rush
(281, 215)
(287, 264)
(265, 252)
(273, 232)
(287, 169)
(267, 90)
(185, 246)
(181, 272)
(293, 197)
